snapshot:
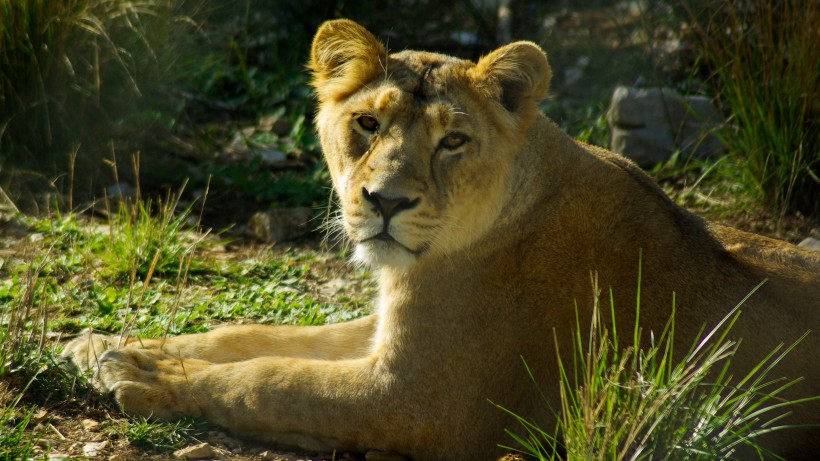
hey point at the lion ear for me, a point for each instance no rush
(344, 56)
(516, 75)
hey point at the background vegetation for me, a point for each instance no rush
(129, 129)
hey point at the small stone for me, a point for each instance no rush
(92, 449)
(58, 457)
(201, 451)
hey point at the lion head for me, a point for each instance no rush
(420, 145)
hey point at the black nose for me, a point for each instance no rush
(389, 207)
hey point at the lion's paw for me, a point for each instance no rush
(145, 382)
(83, 353)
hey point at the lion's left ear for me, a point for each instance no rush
(516, 75)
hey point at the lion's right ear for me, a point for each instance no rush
(344, 56)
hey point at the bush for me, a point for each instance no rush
(765, 66)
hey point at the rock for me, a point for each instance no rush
(810, 243)
(201, 451)
(280, 224)
(92, 449)
(648, 125)
(58, 457)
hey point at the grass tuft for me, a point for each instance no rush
(766, 69)
(160, 436)
(636, 402)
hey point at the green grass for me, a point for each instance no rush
(18, 437)
(160, 435)
(621, 399)
(66, 278)
(766, 70)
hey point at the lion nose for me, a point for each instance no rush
(389, 207)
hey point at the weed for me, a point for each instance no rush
(636, 402)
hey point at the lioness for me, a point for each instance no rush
(484, 221)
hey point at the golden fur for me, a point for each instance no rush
(485, 221)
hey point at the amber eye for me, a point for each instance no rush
(453, 141)
(368, 123)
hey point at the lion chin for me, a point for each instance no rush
(377, 252)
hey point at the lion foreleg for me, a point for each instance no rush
(239, 342)
(316, 404)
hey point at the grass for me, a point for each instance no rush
(630, 401)
(65, 276)
(766, 70)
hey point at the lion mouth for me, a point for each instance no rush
(388, 239)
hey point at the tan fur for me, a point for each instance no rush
(492, 243)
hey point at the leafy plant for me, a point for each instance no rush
(766, 69)
(637, 402)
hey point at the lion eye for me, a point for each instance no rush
(453, 141)
(368, 123)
